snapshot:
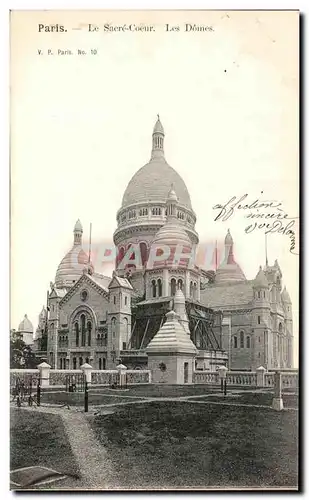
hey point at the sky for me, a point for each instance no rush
(81, 127)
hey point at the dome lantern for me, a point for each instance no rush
(78, 232)
(157, 140)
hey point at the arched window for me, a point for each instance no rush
(83, 329)
(89, 328)
(114, 299)
(280, 327)
(259, 320)
(154, 288)
(173, 286)
(180, 284)
(159, 287)
(191, 289)
(242, 339)
(80, 361)
(143, 252)
(235, 342)
(195, 291)
(248, 342)
(74, 363)
(259, 295)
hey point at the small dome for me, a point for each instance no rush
(78, 226)
(229, 272)
(285, 296)
(25, 325)
(172, 235)
(71, 267)
(158, 128)
(260, 279)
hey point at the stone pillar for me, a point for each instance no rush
(44, 370)
(87, 370)
(277, 403)
(122, 375)
(165, 283)
(198, 298)
(187, 285)
(222, 378)
(222, 372)
(260, 376)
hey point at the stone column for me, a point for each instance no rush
(260, 376)
(165, 283)
(87, 370)
(44, 370)
(198, 289)
(187, 285)
(277, 403)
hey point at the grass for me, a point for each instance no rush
(77, 398)
(264, 399)
(40, 439)
(183, 445)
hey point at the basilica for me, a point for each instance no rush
(233, 321)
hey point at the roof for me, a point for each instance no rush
(122, 282)
(171, 338)
(227, 294)
(154, 301)
(101, 280)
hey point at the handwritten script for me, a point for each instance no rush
(266, 215)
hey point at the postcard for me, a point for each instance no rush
(154, 250)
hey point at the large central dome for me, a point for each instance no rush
(153, 181)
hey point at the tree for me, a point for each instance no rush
(21, 354)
